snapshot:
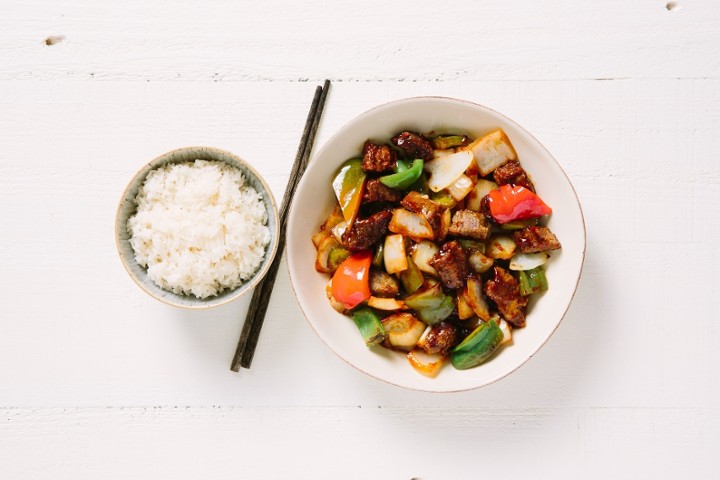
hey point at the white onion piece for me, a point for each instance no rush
(476, 300)
(446, 169)
(492, 151)
(337, 306)
(388, 304)
(339, 229)
(428, 364)
(422, 254)
(502, 247)
(507, 331)
(403, 330)
(394, 254)
(442, 153)
(482, 188)
(465, 311)
(528, 261)
(410, 224)
(460, 188)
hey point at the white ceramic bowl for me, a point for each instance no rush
(314, 199)
(127, 208)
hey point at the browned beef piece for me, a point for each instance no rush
(504, 290)
(378, 158)
(451, 264)
(420, 204)
(365, 233)
(441, 338)
(375, 191)
(485, 208)
(466, 223)
(534, 239)
(511, 172)
(383, 284)
(414, 145)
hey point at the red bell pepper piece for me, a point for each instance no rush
(513, 202)
(351, 281)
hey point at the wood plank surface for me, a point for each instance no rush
(100, 381)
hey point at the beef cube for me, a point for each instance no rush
(467, 223)
(375, 191)
(504, 290)
(534, 239)
(451, 264)
(382, 284)
(441, 338)
(512, 173)
(364, 233)
(414, 145)
(420, 204)
(377, 158)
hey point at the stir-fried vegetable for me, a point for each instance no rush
(402, 330)
(404, 176)
(450, 141)
(492, 151)
(411, 278)
(433, 248)
(532, 281)
(431, 304)
(370, 326)
(478, 346)
(348, 186)
(351, 284)
(528, 261)
(394, 256)
(447, 169)
(510, 203)
(429, 364)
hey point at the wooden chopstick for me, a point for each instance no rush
(261, 296)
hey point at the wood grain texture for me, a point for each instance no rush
(620, 149)
(99, 380)
(302, 442)
(359, 41)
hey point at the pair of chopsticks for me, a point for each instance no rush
(261, 296)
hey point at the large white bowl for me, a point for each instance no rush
(314, 199)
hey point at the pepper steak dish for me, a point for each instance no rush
(435, 246)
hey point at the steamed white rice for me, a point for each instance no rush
(199, 229)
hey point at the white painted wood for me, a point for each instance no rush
(98, 380)
(370, 40)
(361, 442)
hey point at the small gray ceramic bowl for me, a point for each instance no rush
(127, 208)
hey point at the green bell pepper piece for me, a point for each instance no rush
(336, 256)
(450, 141)
(477, 347)
(431, 305)
(369, 325)
(402, 179)
(443, 198)
(433, 316)
(472, 246)
(519, 224)
(421, 185)
(378, 258)
(412, 277)
(532, 281)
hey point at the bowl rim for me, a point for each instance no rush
(530, 354)
(274, 235)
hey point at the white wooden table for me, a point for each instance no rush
(97, 380)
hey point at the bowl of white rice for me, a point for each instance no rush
(197, 227)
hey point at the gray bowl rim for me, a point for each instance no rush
(211, 302)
